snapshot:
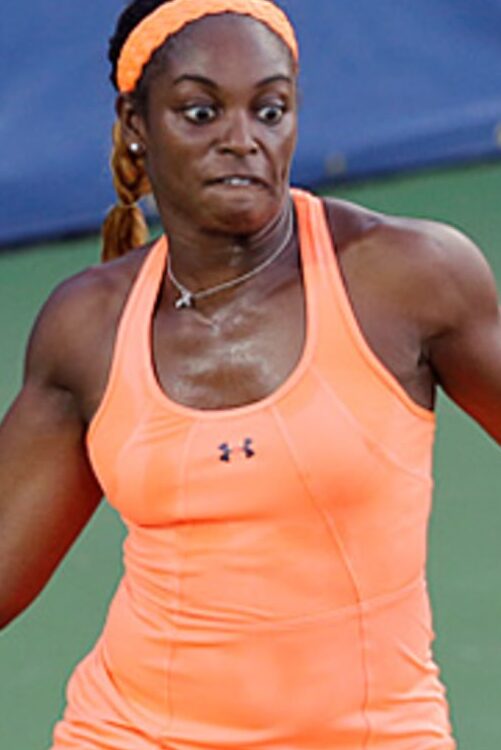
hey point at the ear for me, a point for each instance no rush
(131, 122)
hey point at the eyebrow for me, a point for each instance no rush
(274, 79)
(204, 81)
(196, 79)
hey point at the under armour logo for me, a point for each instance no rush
(245, 449)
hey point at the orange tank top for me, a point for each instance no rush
(274, 594)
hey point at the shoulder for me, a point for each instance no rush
(80, 315)
(425, 264)
(419, 239)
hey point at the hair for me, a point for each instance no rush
(125, 226)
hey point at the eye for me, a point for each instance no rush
(271, 114)
(200, 114)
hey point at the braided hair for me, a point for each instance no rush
(125, 225)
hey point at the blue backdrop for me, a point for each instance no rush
(386, 85)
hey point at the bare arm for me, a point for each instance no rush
(466, 353)
(47, 489)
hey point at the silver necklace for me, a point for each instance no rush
(188, 298)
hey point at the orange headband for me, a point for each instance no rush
(171, 17)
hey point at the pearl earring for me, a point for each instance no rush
(135, 148)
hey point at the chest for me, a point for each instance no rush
(223, 356)
(241, 349)
(246, 352)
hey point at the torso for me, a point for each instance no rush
(246, 345)
(269, 566)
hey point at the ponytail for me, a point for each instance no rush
(125, 226)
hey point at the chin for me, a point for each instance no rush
(244, 214)
(244, 224)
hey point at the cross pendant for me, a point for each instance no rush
(185, 300)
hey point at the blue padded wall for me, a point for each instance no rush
(386, 85)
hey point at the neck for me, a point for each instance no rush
(201, 259)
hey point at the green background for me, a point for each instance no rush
(39, 651)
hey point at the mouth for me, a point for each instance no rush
(238, 181)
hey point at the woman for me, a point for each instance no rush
(258, 407)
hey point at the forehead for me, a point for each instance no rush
(226, 46)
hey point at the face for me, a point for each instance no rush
(219, 130)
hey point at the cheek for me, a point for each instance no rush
(290, 145)
(174, 146)
(283, 149)
(284, 138)
(292, 135)
(173, 163)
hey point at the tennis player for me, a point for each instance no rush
(254, 394)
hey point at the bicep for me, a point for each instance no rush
(48, 491)
(466, 357)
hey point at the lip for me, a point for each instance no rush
(223, 180)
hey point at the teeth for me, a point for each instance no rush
(237, 181)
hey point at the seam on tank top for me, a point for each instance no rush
(337, 542)
(378, 449)
(182, 505)
(370, 605)
(328, 255)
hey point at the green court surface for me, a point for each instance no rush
(38, 652)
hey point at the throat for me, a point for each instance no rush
(208, 274)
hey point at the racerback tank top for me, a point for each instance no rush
(274, 593)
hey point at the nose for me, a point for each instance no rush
(237, 137)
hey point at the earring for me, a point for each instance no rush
(135, 148)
